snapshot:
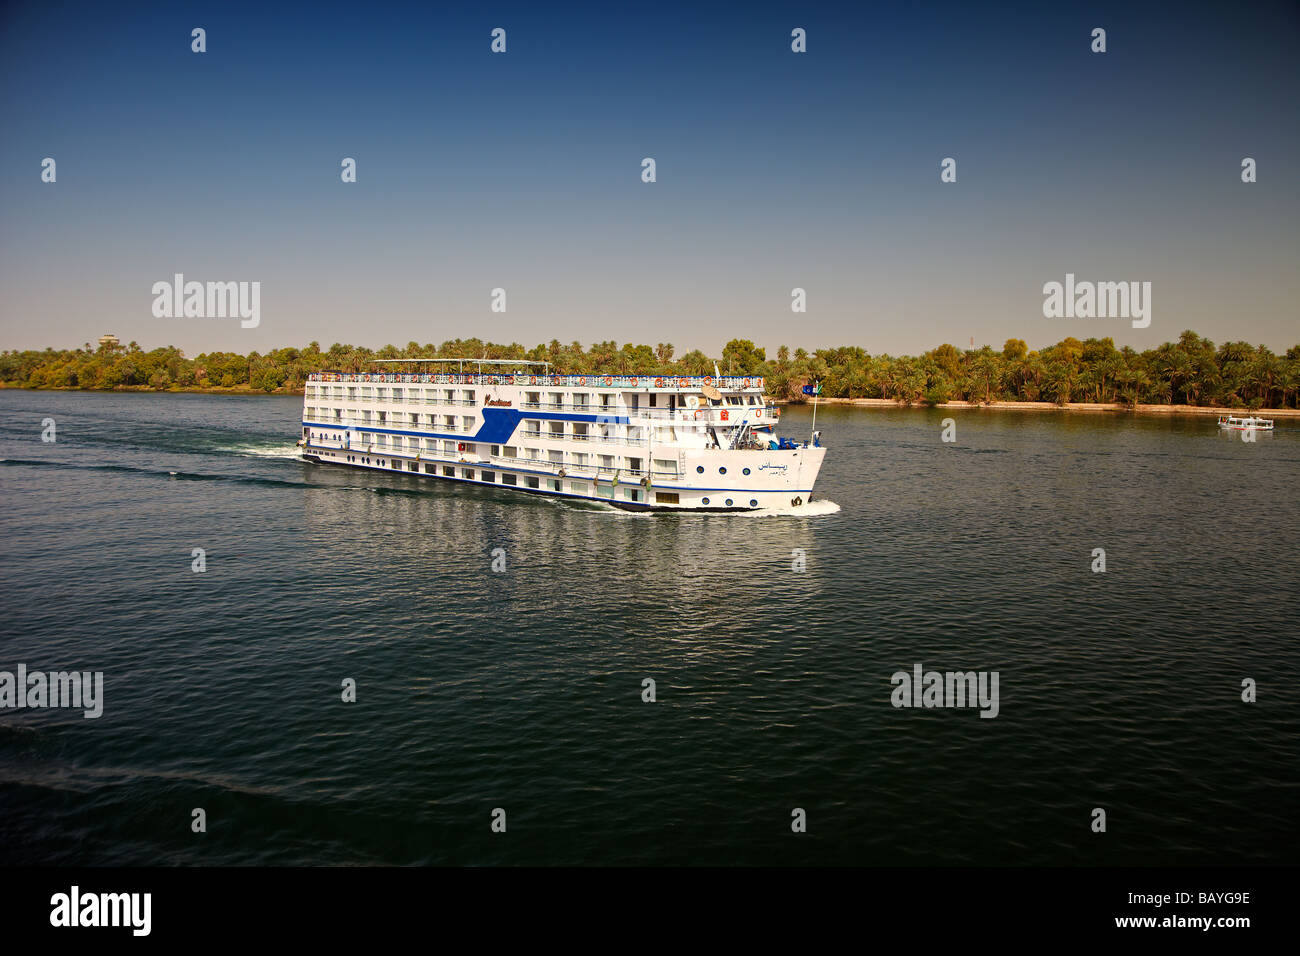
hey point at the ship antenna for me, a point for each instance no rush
(816, 391)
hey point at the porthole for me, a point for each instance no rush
(722, 471)
(746, 471)
(728, 502)
(704, 501)
(753, 502)
(699, 469)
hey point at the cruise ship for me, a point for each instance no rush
(643, 442)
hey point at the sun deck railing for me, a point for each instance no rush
(541, 381)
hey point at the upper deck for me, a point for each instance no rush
(657, 383)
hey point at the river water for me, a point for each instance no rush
(523, 690)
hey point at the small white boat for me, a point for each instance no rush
(1245, 424)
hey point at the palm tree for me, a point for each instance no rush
(1264, 371)
(1289, 381)
(886, 374)
(987, 371)
(1058, 382)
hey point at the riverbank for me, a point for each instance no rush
(1067, 407)
(861, 402)
(147, 390)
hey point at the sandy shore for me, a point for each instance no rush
(863, 402)
(148, 390)
(1068, 407)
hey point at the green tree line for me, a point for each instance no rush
(1191, 371)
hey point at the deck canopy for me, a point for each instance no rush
(460, 362)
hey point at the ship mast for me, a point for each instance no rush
(816, 391)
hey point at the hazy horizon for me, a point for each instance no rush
(522, 171)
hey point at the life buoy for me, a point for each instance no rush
(746, 385)
(758, 413)
(582, 381)
(659, 383)
(708, 380)
(682, 382)
(724, 414)
(532, 380)
(697, 414)
(608, 380)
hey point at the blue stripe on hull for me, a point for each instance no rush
(498, 425)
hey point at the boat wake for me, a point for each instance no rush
(813, 509)
(171, 473)
(265, 450)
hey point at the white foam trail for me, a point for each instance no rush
(813, 509)
(265, 451)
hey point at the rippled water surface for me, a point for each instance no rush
(523, 690)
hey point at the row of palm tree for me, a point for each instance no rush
(1191, 371)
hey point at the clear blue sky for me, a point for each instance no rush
(522, 170)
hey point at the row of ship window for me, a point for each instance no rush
(530, 428)
(529, 481)
(489, 476)
(580, 459)
(573, 400)
(722, 470)
(466, 397)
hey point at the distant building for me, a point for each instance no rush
(108, 340)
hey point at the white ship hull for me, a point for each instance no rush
(638, 443)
